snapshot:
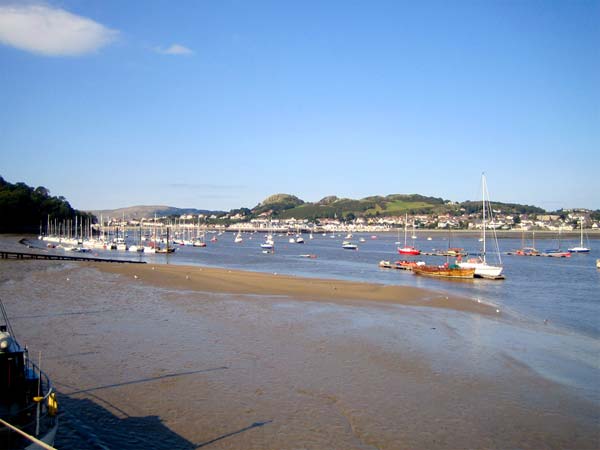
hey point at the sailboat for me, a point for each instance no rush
(407, 250)
(238, 237)
(482, 268)
(168, 248)
(557, 252)
(581, 248)
(269, 241)
(524, 250)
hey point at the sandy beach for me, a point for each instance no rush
(165, 357)
(204, 279)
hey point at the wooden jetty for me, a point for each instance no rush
(21, 255)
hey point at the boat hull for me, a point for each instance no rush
(579, 250)
(409, 251)
(444, 272)
(482, 269)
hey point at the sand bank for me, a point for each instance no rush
(204, 279)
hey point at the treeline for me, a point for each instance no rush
(23, 208)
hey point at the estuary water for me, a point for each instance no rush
(559, 292)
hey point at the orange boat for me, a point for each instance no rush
(445, 271)
(408, 265)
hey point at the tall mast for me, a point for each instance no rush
(483, 204)
(405, 228)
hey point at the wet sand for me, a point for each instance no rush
(206, 279)
(188, 358)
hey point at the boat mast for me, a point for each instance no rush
(483, 204)
(405, 228)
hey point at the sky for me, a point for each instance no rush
(218, 104)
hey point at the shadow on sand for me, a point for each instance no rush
(94, 423)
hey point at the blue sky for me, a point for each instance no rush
(219, 104)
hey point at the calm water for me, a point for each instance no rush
(563, 291)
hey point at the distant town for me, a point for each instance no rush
(566, 221)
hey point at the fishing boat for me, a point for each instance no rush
(480, 264)
(407, 249)
(580, 248)
(445, 271)
(28, 407)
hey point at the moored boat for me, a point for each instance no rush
(580, 248)
(480, 264)
(28, 407)
(408, 249)
(408, 265)
(525, 251)
(556, 253)
(445, 271)
(347, 245)
(269, 242)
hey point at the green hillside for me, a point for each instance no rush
(343, 208)
(24, 208)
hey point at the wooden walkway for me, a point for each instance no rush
(21, 255)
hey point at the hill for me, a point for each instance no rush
(334, 207)
(25, 209)
(285, 206)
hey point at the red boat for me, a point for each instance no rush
(408, 251)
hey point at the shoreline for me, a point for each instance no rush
(227, 281)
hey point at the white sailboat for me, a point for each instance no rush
(581, 248)
(238, 237)
(480, 264)
(269, 241)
